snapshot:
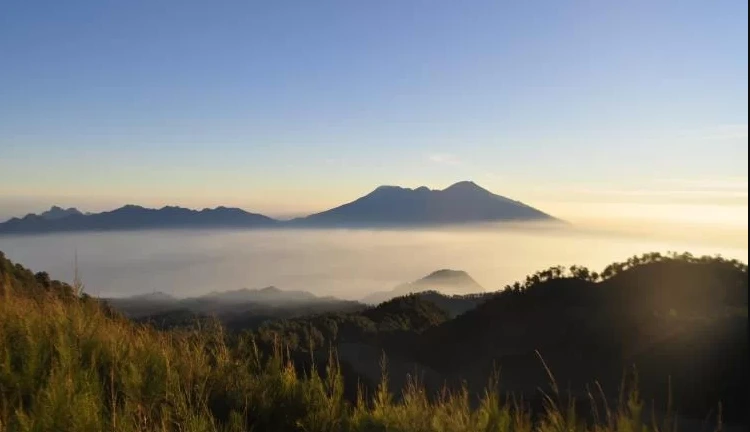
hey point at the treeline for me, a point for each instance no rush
(617, 268)
(382, 324)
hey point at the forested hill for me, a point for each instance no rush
(68, 362)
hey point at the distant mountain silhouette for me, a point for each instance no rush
(386, 206)
(155, 297)
(56, 212)
(461, 203)
(134, 217)
(450, 282)
(269, 295)
(268, 302)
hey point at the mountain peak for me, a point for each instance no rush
(457, 279)
(446, 274)
(462, 185)
(269, 290)
(465, 185)
(383, 188)
(131, 207)
(57, 212)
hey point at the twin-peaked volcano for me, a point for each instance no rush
(462, 203)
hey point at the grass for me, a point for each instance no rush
(69, 365)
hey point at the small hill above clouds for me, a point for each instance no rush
(445, 281)
(450, 278)
(462, 203)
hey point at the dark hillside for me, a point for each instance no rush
(677, 316)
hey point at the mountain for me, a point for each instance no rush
(386, 206)
(144, 304)
(232, 305)
(56, 212)
(450, 282)
(135, 217)
(155, 297)
(269, 295)
(462, 203)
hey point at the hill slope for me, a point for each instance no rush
(681, 317)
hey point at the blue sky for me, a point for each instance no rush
(288, 107)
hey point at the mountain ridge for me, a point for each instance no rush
(56, 212)
(461, 203)
(227, 302)
(131, 216)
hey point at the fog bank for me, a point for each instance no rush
(344, 263)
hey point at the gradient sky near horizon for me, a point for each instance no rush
(581, 108)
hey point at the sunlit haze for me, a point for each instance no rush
(343, 263)
(626, 119)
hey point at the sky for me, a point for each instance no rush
(585, 109)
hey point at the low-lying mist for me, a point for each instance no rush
(344, 263)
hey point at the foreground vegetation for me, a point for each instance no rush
(69, 363)
(682, 320)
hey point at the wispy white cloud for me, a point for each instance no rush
(444, 159)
